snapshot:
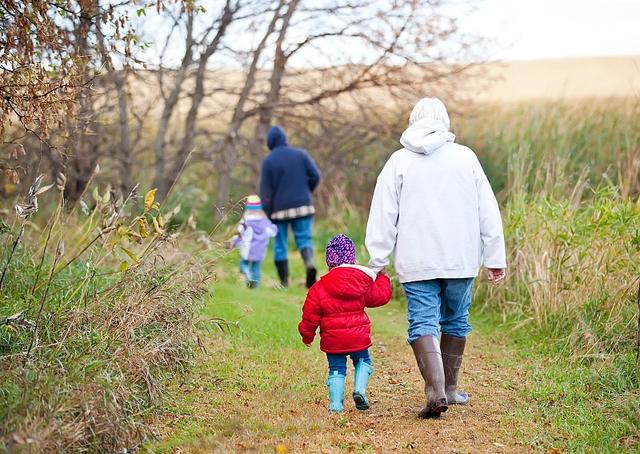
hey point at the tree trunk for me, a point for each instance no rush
(81, 164)
(186, 145)
(159, 180)
(126, 179)
(267, 108)
(227, 151)
(119, 81)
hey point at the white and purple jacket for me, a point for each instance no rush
(254, 232)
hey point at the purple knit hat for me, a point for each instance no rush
(340, 250)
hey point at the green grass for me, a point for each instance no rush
(573, 401)
(577, 404)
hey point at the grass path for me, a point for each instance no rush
(258, 389)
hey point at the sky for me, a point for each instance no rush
(514, 29)
(534, 29)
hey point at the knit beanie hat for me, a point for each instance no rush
(340, 250)
(253, 203)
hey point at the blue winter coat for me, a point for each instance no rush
(289, 175)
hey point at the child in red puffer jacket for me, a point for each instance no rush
(336, 304)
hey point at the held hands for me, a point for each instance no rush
(497, 275)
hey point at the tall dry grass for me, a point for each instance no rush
(574, 268)
(569, 180)
(97, 311)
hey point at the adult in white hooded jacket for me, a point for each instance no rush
(433, 209)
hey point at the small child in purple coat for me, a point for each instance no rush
(254, 231)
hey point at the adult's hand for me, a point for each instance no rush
(497, 275)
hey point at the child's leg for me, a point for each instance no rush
(361, 355)
(255, 273)
(362, 363)
(335, 382)
(337, 363)
(245, 269)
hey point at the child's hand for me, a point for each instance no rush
(497, 275)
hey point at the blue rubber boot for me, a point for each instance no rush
(335, 383)
(361, 380)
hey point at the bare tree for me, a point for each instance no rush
(387, 49)
(170, 102)
(119, 80)
(228, 155)
(221, 25)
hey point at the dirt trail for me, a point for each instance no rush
(252, 400)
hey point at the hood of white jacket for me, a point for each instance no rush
(425, 136)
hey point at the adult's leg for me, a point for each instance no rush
(363, 370)
(303, 233)
(280, 252)
(454, 320)
(423, 313)
(335, 381)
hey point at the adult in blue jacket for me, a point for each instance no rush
(289, 176)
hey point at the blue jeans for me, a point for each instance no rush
(443, 302)
(251, 269)
(338, 361)
(301, 231)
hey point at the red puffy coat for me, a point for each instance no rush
(336, 303)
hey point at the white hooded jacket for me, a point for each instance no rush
(434, 210)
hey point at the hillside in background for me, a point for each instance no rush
(567, 79)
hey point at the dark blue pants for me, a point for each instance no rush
(338, 361)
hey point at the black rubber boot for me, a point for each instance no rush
(307, 256)
(452, 348)
(427, 352)
(283, 272)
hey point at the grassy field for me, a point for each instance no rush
(258, 388)
(551, 363)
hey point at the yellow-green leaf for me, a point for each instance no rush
(156, 226)
(124, 266)
(149, 199)
(143, 227)
(131, 255)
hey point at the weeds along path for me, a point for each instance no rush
(259, 389)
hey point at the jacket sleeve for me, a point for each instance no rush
(266, 189)
(491, 234)
(380, 293)
(235, 241)
(313, 173)
(272, 230)
(311, 315)
(382, 229)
